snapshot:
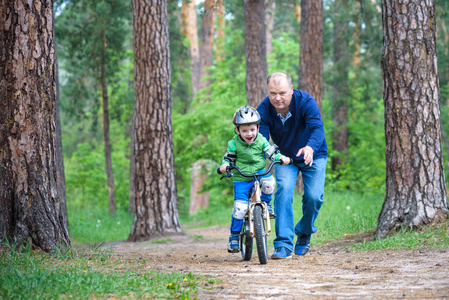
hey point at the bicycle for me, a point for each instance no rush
(256, 222)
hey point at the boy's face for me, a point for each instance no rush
(248, 132)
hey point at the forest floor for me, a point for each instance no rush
(328, 271)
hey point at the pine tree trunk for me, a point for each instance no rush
(255, 52)
(154, 174)
(132, 193)
(207, 42)
(311, 50)
(30, 204)
(107, 139)
(59, 154)
(220, 30)
(197, 199)
(190, 29)
(415, 185)
(340, 84)
(270, 8)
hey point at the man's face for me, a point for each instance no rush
(280, 94)
(248, 132)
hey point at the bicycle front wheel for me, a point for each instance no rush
(246, 241)
(259, 232)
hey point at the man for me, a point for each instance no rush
(292, 119)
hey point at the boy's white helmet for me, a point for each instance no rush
(246, 115)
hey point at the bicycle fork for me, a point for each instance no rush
(255, 200)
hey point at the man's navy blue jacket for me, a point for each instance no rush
(303, 128)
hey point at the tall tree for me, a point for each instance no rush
(220, 30)
(340, 84)
(154, 174)
(207, 42)
(270, 8)
(415, 185)
(190, 29)
(30, 204)
(255, 51)
(311, 50)
(59, 154)
(92, 34)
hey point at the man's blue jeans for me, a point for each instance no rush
(313, 178)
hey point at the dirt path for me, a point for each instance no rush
(326, 272)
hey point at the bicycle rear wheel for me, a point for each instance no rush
(246, 241)
(259, 232)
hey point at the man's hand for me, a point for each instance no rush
(223, 168)
(285, 160)
(307, 151)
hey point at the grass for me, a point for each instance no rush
(89, 273)
(94, 273)
(427, 237)
(96, 226)
(343, 213)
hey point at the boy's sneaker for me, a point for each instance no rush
(281, 253)
(302, 244)
(234, 243)
(270, 211)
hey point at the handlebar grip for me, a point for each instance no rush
(218, 171)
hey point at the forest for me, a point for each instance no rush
(216, 59)
(115, 114)
(202, 119)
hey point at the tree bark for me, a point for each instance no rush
(154, 174)
(270, 8)
(220, 30)
(132, 190)
(190, 29)
(311, 50)
(255, 52)
(340, 84)
(207, 42)
(197, 199)
(30, 204)
(59, 153)
(415, 185)
(107, 139)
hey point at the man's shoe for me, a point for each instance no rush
(270, 211)
(281, 253)
(303, 244)
(234, 243)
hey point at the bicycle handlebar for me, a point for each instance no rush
(232, 166)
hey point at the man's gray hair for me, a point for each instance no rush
(278, 75)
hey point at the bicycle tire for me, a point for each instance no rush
(259, 232)
(246, 242)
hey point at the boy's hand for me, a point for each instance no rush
(285, 160)
(223, 168)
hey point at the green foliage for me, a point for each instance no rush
(90, 273)
(203, 132)
(364, 170)
(86, 184)
(284, 56)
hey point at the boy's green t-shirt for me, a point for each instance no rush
(249, 157)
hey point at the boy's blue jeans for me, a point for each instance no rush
(241, 192)
(313, 178)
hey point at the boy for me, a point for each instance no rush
(247, 149)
